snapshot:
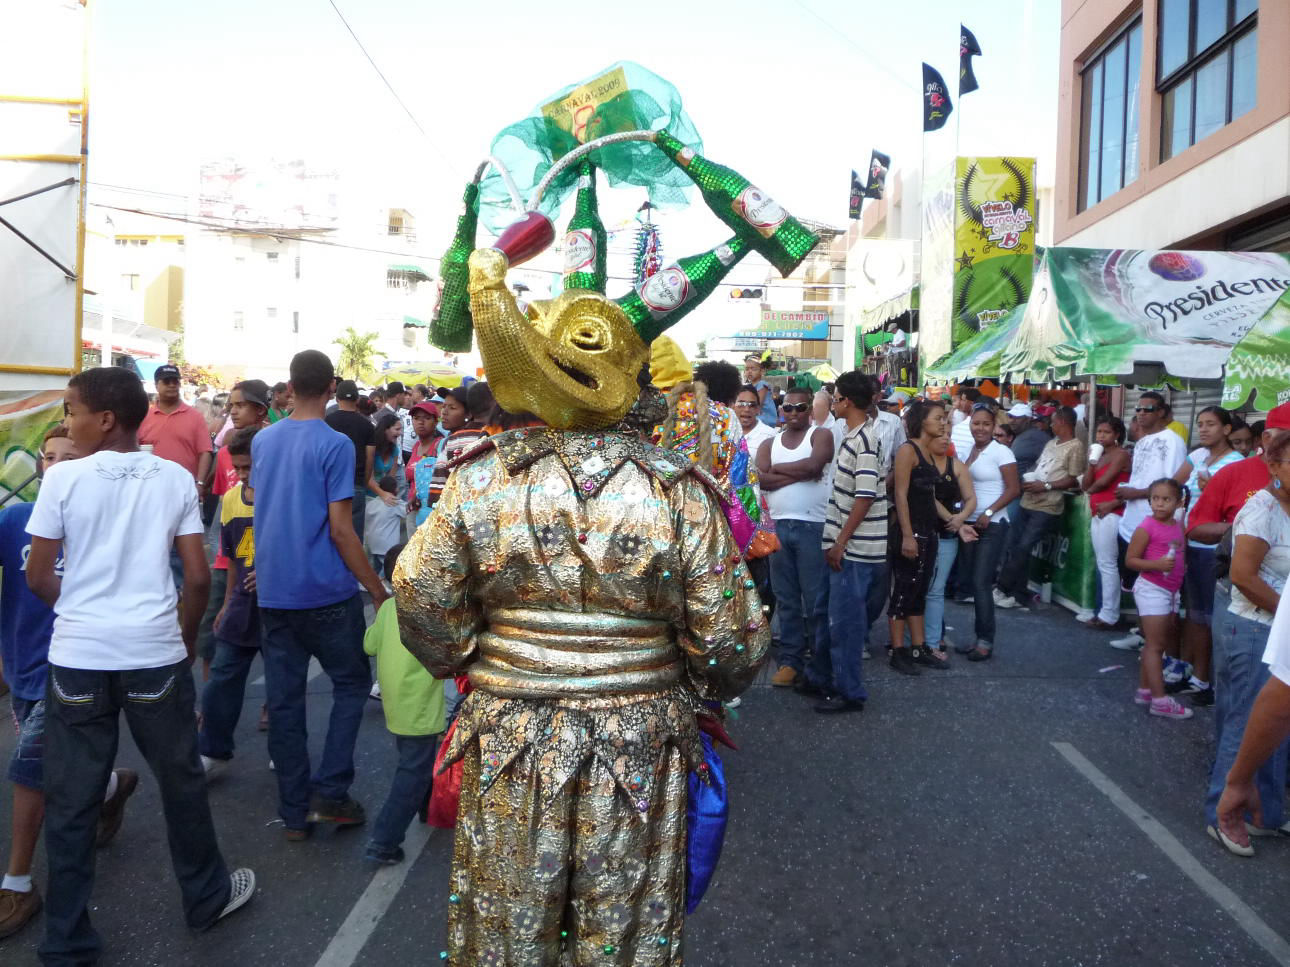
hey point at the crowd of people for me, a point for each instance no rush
(847, 502)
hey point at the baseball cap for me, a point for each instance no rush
(425, 406)
(395, 387)
(1279, 417)
(346, 389)
(165, 372)
(1022, 409)
(254, 391)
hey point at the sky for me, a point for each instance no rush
(794, 94)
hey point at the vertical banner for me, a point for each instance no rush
(879, 165)
(994, 241)
(936, 283)
(857, 195)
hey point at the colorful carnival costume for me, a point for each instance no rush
(588, 583)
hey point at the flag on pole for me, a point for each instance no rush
(879, 163)
(968, 48)
(858, 193)
(936, 99)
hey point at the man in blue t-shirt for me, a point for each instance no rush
(26, 624)
(309, 563)
(754, 376)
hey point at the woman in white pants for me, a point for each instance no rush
(1104, 474)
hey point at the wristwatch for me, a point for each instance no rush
(988, 513)
(1047, 485)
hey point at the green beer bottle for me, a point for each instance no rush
(451, 327)
(670, 293)
(584, 241)
(752, 214)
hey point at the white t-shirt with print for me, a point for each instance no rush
(1155, 456)
(987, 478)
(118, 515)
(1264, 518)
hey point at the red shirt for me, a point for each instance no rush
(1228, 490)
(180, 436)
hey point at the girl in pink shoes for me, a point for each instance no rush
(1156, 552)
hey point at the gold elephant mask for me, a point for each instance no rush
(574, 366)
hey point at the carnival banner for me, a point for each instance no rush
(1260, 363)
(994, 241)
(24, 421)
(879, 165)
(857, 195)
(968, 48)
(1106, 311)
(937, 106)
(936, 286)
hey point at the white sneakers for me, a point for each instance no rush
(214, 768)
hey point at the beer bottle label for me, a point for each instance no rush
(725, 254)
(579, 251)
(759, 210)
(665, 290)
(584, 181)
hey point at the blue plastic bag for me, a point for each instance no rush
(706, 816)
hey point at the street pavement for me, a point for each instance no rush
(1019, 811)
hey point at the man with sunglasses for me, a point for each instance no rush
(1159, 452)
(794, 477)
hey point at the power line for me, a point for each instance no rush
(393, 92)
(834, 28)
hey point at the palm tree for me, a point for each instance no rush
(358, 355)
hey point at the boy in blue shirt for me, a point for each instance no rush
(309, 563)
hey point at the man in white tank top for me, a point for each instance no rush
(794, 477)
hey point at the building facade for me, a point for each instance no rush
(1174, 125)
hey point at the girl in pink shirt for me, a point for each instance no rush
(1156, 552)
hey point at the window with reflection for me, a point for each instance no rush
(1205, 68)
(1109, 122)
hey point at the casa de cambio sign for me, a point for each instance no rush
(781, 324)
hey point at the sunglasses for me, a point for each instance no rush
(1145, 409)
(796, 407)
(747, 403)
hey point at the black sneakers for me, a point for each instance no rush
(340, 812)
(902, 661)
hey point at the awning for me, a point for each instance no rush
(876, 317)
(1114, 311)
(410, 270)
(1260, 362)
(414, 322)
(979, 357)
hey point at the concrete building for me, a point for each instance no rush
(1174, 125)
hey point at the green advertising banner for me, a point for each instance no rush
(1066, 559)
(994, 241)
(1260, 363)
(24, 421)
(1106, 311)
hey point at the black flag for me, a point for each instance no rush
(968, 48)
(878, 165)
(857, 194)
(936, 99)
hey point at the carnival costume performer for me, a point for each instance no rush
(588, 583)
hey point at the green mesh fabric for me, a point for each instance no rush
(622, 97)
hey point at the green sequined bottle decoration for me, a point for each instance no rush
(585, 239)
(752, 214)
(672, 292)
(451, 327)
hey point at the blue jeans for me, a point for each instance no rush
(836, 659)
(1028, 529)
(412, 781)
(798, 575)
(934, 615)
(1239, 675)
(82, 729)
(980, 562)
(289, 638)
(222, 698)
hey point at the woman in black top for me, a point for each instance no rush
(911, 543)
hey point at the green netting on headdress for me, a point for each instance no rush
(623, 97)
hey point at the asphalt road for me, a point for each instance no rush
(1020, 811)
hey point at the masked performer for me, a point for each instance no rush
(590, 586)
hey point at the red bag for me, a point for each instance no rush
(441, 811)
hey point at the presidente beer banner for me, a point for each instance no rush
(1105, 311)
(1260, 363)
(994, 241)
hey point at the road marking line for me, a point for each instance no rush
(1220, 893)
(385, 885)
(315, 670)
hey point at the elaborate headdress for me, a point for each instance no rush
(573, 361)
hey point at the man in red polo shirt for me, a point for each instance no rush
(1229, 489)
(175, 430)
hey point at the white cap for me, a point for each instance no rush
(1022, 409)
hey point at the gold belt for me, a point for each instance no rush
(532, 653)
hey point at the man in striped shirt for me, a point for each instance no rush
(855, 548)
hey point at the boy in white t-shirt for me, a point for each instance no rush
(117, 646)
